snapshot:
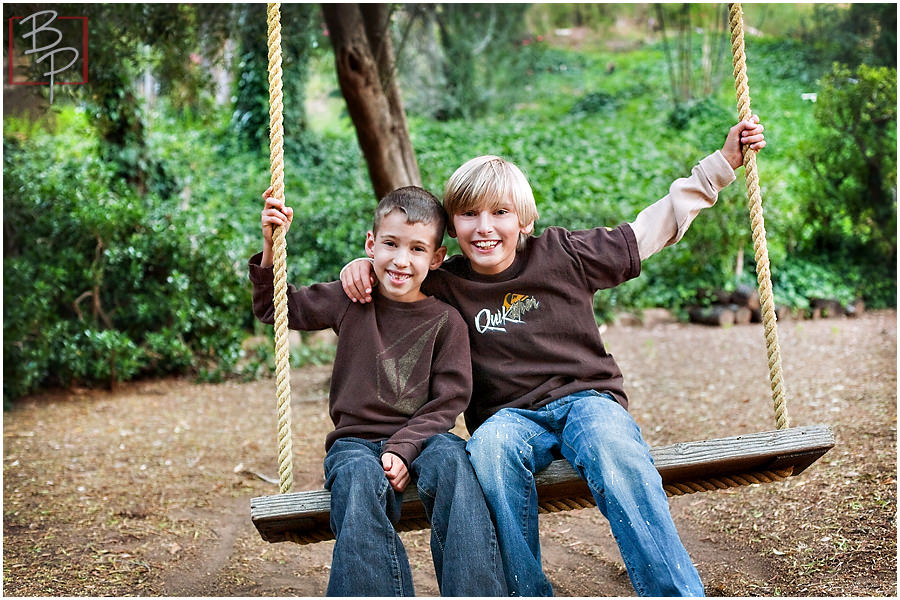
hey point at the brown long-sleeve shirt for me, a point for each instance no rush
(532, 328)
(402, 372)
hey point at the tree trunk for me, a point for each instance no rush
(364, 58)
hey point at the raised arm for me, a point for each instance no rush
(314, 307)
(665, 222)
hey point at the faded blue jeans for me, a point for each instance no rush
(604, 444)
(369, 558)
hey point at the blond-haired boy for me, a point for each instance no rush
(543, 381)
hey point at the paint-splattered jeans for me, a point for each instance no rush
(604, 444)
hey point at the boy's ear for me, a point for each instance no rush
(438, 258)
(370, 244)
(528, 228)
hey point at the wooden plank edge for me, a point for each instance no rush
(276, 514)
(304, 503)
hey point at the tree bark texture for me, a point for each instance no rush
(364, 59)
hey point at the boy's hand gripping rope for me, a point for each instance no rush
(276, 159)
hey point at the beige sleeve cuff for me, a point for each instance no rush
(665, 222)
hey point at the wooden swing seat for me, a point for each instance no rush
(303, 517)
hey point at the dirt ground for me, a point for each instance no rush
(146, 490)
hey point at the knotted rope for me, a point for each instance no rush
(763, 275)
(276, 160)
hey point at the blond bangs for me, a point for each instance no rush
(486, 182)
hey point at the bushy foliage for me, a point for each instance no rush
(850, 185)
(861, 33)
(102, 284)
(595, 102)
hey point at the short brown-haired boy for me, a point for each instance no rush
(401, 376)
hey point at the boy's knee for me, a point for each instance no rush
(445, 443)
(489, 442)
(356, 473)
(605, 421)
(498, 452)
(623, 464)
(443, 453)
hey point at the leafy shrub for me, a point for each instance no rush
(703, 110)
(101, 284)
(854, 34)
(849, 188)
(798, 281)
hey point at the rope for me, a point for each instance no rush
(724, 483)
(276, 159)
(763, 275)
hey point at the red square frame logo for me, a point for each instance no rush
(84, 55)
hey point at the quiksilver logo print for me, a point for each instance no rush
(404, 367)
(514, 307)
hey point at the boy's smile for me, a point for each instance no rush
(489, 237)
(402, 254)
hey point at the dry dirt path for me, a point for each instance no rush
(145, 492)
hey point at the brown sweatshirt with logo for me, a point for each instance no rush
(532, 328)
(402, 372)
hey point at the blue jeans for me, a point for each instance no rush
(369, 558)
(604, 444)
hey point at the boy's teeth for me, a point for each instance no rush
(485, 244)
